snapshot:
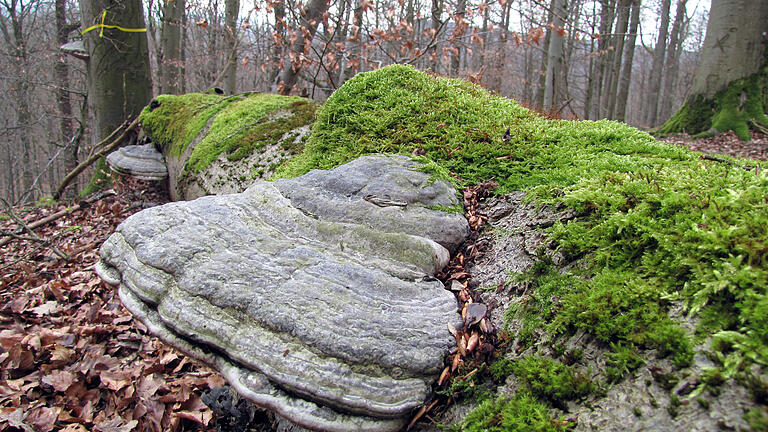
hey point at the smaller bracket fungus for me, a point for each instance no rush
(141, 161)
(311, 300)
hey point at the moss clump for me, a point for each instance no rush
(101, 178)
(247, 124)
(551, 380)
(239, 125)
(522, 412)
(172, 122)
(743, 102)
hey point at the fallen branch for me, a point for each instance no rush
(713, 158)
(34, 236)
(109, 148)
(52, 217)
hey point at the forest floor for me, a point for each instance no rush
(73, 359)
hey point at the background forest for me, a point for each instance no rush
(629, 60)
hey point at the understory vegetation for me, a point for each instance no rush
(658, 226)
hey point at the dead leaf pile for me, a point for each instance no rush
(475, 340)
(727, 144)
(72, 358)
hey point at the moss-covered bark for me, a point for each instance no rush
(737, 108)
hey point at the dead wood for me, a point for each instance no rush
(109, 147)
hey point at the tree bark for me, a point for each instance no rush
(61, 71)
(231, 10)
(278, 39)
(654, 86)
(629, 58)
(311, 16)
(16, 40)
(172, 67)
(461, 10)
(437, 10)
(607, 14)
(119, 81)
(618, 51)
(672, 64)
(553, 75)
(730, 87)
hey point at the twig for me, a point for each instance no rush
(714, 158)
(36, 237)
(109, 148)
(48, 165)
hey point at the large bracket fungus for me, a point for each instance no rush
(315, 297)
(141, 161)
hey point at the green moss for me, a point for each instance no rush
(522, 412)
(172, 122)
(658, 225)
(757, 419)
(101, 178)
(622, 360)
(239, 125)
(551, 380)
(244, 126)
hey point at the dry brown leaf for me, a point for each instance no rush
(59, 380)
(444, 376)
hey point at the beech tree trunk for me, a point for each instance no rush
(311, 16)
(659, 51)
(612, 81)
(172, 67)
(672, 64)
(730, 87)
(61, 70)
(16, 40)
(231, 10)
(629, 57)
(607, 13)
(553, 79)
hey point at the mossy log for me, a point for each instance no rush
(219, 144)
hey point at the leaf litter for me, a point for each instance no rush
(72, 358)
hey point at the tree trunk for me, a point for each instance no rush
(278, 39)
(437, 10)
(61, 71)
(311, 16)
(618, 51)
(172, 68)
(119, 83)
(607, 13)
(629, 58)
(553, 75)
(672, 63)
(231, 10)
(659, 50)
(458, 31)
(730, 87)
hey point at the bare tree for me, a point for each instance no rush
(629, 57)
(232, 7)
(672, 62)
(310, 16)
(171, 67)
(728, 91)
(654, 86)
(13, 20)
